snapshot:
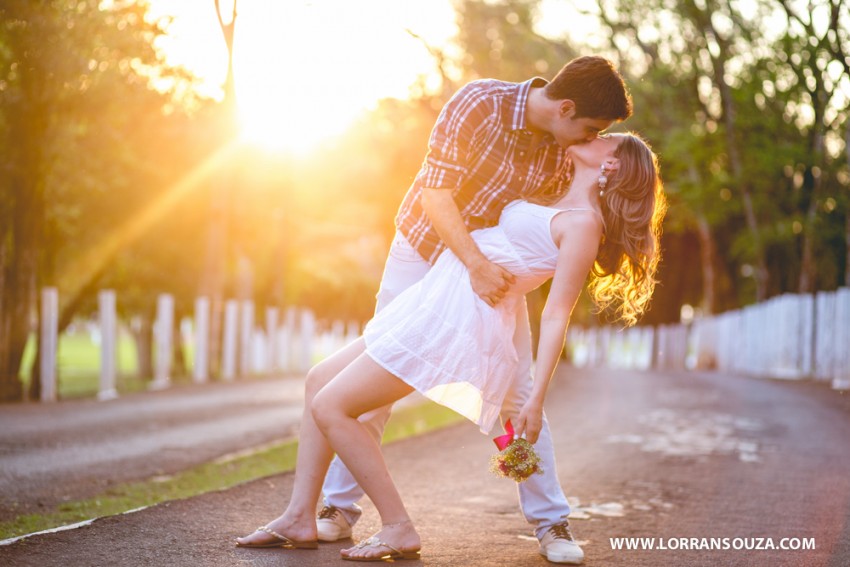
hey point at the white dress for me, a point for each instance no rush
(442, 339)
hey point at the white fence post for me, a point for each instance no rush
(806, 309)
(271, 340)
(49, 343)
(841, 367)
(287, 340)
(231, 331)
(164, 336)
(352, 332)
(307, 334)
(201, 362)
(647, 339)
(825, 324)
(246, 335)
(108, 341)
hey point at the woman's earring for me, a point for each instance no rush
(602, 180)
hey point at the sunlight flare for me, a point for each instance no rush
(98, 258)
(306, 70)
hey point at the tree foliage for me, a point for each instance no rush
(82, 142)
(748, 105)
(113, 171)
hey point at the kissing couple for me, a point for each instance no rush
(519, 186)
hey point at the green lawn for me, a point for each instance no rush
(78, 363)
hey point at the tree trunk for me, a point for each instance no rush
(807, 263)
(27, 129)
(707, 254)
(142, 331)
(703, 16)
(213, 278)
(178, 355)
(847, 248)
(35, 370)
(24, 273)
(847, 217)
(27, 125)
(11, 388)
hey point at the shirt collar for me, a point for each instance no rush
(519, 104)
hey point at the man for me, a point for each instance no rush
(493, 142)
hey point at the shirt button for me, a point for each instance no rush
(521, 154)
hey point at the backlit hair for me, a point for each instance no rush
(623, 275)
(633, 209)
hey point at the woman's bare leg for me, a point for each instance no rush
(298, 522)
(362, 386)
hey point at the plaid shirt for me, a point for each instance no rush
(479, 151)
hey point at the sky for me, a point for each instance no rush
(305, 69)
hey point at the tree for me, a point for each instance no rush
(816, 46)
(752, 102)
(75, 91)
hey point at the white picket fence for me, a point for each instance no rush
(290, 342)
(788, 336)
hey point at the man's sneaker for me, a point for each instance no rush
(558, 545)
(332, 525)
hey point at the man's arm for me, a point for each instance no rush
(490, 281)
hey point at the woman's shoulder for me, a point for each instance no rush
(577, 221)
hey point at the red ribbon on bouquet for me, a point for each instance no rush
(516, 458)
(502, 441)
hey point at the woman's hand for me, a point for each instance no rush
(530, 421)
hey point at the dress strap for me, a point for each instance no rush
(576, 209)
(559, 211)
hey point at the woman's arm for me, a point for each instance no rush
(578, 247)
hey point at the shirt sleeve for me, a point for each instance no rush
(452, 141)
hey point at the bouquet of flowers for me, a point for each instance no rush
(516, 459)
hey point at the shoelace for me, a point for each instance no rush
(328, 512)
(561, 531)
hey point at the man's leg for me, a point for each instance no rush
(341, 492)
(541, 497)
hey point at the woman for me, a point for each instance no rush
(440, 338)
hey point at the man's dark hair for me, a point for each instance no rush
(596, 88)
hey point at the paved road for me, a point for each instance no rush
(652, 455)
(70, 450)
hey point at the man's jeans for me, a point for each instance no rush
(542, 500)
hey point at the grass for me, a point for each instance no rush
(78, 365)
(216, 475)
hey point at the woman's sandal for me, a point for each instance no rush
(391, 556)
(280, 541)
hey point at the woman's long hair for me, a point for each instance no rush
(633, 207)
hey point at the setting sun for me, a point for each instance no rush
(305, 70)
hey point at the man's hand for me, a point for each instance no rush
(529, 422)
(490, 281)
